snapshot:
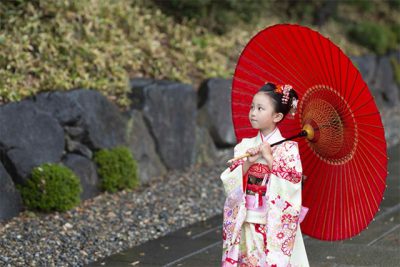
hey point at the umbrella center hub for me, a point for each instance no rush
(335, 129)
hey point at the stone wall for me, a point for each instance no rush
(169, 126)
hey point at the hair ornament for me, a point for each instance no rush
(285, 91)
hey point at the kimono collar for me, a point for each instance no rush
(273, 137)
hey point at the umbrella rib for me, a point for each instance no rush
(370, 190)
(319, 162)
(361, 184)
(298, 55)
(333, 65)
(376, 172)
(382, 140)
(326, 61)
(309, 152)
(367, 114)
(304, 41)
(243, 80)
(373, 147)
(247, 90)
(305, 59)
(347, 78)
(354, 111)
(318, 57)
(330, 80)
(365, 194)
(244, 57)
(339, 55)
(327, 206)
(260, 69)
(354, 218)
(370, 125)
(334, 202)
(358, 95)
(284, 66)
(352, 87)
(379, 190)
(242, 93)
(360, 212)
(345, 195)
(295, 53)
(249, 73)
(378, 163)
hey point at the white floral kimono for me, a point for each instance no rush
(278, 241)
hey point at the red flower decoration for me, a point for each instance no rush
(279, 89)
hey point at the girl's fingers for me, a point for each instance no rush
(252, 151)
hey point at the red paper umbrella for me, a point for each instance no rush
(345, 162)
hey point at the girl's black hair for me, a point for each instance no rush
(269, 89)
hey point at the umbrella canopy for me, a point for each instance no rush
(345, 163)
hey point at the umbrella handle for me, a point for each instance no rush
(308, 131)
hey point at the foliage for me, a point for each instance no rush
(61, 45)
(116, 168)
(217, 16)
(52, 187)
(378, 38)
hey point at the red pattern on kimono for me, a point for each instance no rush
(285, 166)
(283, 199)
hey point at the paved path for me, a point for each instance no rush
(200, 244)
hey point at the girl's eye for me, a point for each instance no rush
(260, 108)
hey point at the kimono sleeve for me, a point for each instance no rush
(232, 176)
(284, 204)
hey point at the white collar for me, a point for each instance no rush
(266, 137)
(272, 137)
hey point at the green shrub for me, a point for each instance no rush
(217, 16)
(378, 38)
(52, 187)
(61, 45)
(117, 169)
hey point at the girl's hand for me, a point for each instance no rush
(266, 152)
(255, 154)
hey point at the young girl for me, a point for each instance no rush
(263, 211)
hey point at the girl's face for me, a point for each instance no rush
(262, 114)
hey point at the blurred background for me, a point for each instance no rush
(115, 124)
(60, 45)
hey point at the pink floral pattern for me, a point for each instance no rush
(249, 244)
(285, 165)
(236, 163)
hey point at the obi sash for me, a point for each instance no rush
(256, 205)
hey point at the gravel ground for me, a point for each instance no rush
(110, 223)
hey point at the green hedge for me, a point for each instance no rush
(378, 38)
(217, 16)
(52, 187)
(61, 45)
(117, 169)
